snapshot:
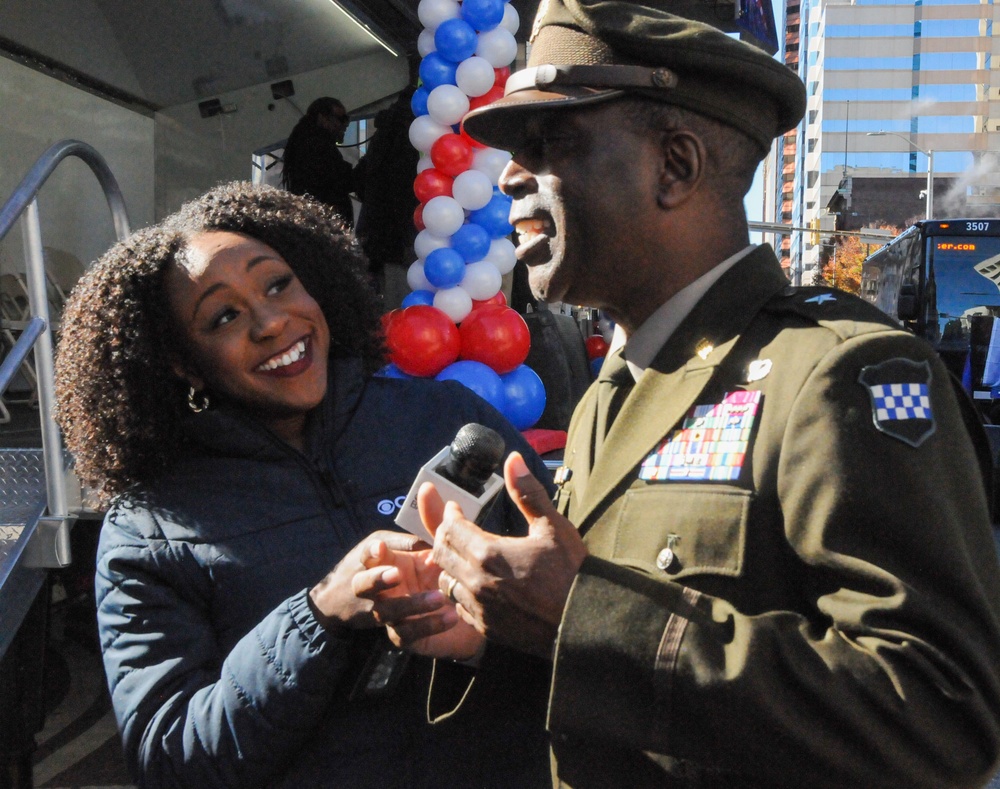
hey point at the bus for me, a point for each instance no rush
(941, 280)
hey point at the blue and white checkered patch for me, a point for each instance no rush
(900, 394)
(901, 401)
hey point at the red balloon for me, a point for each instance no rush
(502, 74)
(432, 183)
(451, 154)
(496, 336)
(597, 347)
(497, 300)
(493, 94)
(418, 217)
(423, 341)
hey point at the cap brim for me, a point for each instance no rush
(501, 124)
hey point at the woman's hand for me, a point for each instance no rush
(337, 605)
(402, 585)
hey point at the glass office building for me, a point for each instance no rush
(922, 71)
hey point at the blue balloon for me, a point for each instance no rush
(444, 268)
(483, 14)
(436, 70)
(418, 102)
(595, 366)
(456, 40)
(525, 394)
(418, 297)
(478, 377)
(494, 216)
(392, 371)
(471, 241)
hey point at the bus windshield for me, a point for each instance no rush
(965, 273)
(963, 292)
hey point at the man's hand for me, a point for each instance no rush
(511, 589)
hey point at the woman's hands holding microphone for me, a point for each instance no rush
(473, 584)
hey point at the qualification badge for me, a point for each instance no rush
(710, 444)
(901, 402)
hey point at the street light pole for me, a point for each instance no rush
(929, 192)
(930, 183)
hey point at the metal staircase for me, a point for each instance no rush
(40, 497)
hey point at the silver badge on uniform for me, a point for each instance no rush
(758, 370)
(901, 402)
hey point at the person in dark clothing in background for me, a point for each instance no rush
(384, 177)
(312, 162)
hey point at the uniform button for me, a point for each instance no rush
(665, 558)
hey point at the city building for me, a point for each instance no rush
(906, 91)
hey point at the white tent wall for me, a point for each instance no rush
(37, 111)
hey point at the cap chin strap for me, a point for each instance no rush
(548, 76)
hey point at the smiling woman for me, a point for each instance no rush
(253, 332)
(215, 387)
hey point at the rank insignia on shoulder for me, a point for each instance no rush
(900, 395)
(711, 443)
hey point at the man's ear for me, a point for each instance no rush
(683, 160)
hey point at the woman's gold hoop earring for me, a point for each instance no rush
(197, 405)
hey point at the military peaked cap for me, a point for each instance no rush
(589, 51)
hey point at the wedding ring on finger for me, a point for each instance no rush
(451, 589)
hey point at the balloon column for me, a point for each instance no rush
(455, 324)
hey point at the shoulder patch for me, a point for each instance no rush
(899, 390)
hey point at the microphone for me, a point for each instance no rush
(463, 472)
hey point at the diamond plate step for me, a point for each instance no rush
(22, 502)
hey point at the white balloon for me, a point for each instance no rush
(426, 242)
(498, 46)
(415, 277)
(491, 162)
(472, 189)
(425, 42)
(433, 12)
(424, 132)
(501, 255)
(447, 104)
(510, 19)
(424, 163)
(443, 216)
(482, 280)
(453, 302)
(475, 76)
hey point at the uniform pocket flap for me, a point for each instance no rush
(683, 529)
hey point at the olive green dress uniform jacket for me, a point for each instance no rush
(830, 618)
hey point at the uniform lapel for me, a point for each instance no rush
(671, 385)
(580, 439)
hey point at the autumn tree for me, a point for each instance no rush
(842, 267)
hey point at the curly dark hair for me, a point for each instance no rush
(118, 401)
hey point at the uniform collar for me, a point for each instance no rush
(643, 346)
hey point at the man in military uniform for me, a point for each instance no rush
(770, 562)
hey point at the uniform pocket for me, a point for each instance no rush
(683, 530)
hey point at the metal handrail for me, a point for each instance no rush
(40, 172)
(23, 204)
(12, 361)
